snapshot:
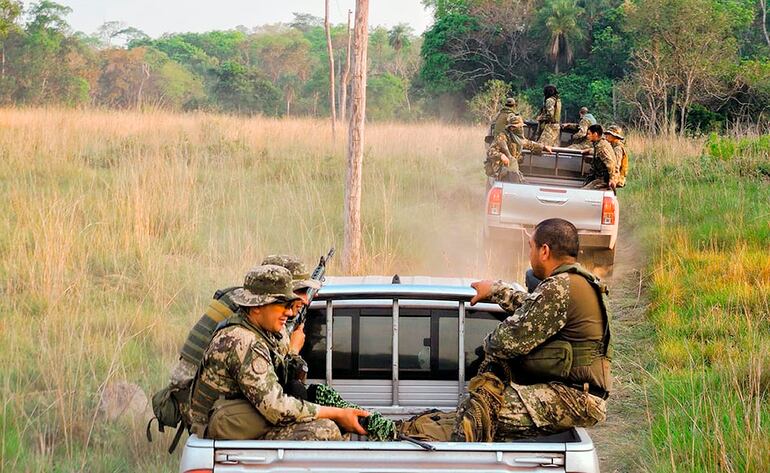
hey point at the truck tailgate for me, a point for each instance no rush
(528, 204)
(390, 457)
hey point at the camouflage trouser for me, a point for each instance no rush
(238, 420)
(494, 167)
(550, 135)
(527, 411)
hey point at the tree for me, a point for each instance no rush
(400, 36)
(352, 246)
(485, 105)
(345, 79)
(332, 95)
(9, 13)
(670, 74)
(560, 20)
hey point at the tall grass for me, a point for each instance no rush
(704, 209)
(118, 226)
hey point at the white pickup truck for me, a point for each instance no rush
(399, 346)
(553, 188)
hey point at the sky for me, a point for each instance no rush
(156, 17)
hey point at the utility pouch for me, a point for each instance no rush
(551, 361)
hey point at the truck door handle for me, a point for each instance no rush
(234, 458)
(542, 461)
(552, 200)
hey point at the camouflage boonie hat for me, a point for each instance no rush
(265, 285)
(615, 131)
(583, 110)
(299, 273)
(515, 121)
(510, 102)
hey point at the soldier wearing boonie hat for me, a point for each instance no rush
(615, 136)
(299, 274)
(503, 155)
(239, 391)
(265, 285)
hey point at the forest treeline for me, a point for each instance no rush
(660, 65)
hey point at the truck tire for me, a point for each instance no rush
(599, 261)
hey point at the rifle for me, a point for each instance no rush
(319, 274)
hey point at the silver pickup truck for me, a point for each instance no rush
(399, 346)
(553, 188)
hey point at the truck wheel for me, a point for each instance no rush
(600, 261)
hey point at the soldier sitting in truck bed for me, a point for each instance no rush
(526, 386)
(502, 157)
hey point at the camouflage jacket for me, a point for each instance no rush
(603, 165)
(586, 121)
(534, 318)
(246, 361)
(621, 162)
(551, 111)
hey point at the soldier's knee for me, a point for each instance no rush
(326, 429)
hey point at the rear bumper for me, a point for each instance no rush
(588, 238)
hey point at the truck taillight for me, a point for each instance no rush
(608, 211)
(495, 201)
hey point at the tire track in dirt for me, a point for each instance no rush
(620, 440)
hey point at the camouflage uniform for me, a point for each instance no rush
(603, 167)
(621, 157)
(580, 139)
(245, 362)
(507, 410)
(199, 337)
(549, 118)
(509, 143)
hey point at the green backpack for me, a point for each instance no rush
(170, 404)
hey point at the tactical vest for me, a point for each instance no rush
(220, 308)
(572, 361)
(205, 395)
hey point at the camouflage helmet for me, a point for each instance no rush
(583, 110)
(615, 131)
(510, 102)
(299, 273)
(265, 285)
(514, 121)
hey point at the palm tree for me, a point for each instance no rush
(399, 36)
(562, 28)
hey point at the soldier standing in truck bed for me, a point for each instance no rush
(550, 117)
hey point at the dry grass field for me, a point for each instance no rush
(118, 227)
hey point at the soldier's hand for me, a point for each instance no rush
(297, 340)
(348, 420)
(586, 151)
(505, 160)
(548, 149)
(483, 290)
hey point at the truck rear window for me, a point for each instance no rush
(428, 345)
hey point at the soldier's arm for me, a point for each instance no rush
(506, 296)
(259, 383)
(607, 155)
(550, 110)
(540, 316)
(502, 143)
(533, 146)
(582, 130)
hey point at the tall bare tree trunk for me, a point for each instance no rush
(763, 5)
(145, 76)
(352, 249)
(332, 94)
(344, 82)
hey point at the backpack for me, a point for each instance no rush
(171, 404)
